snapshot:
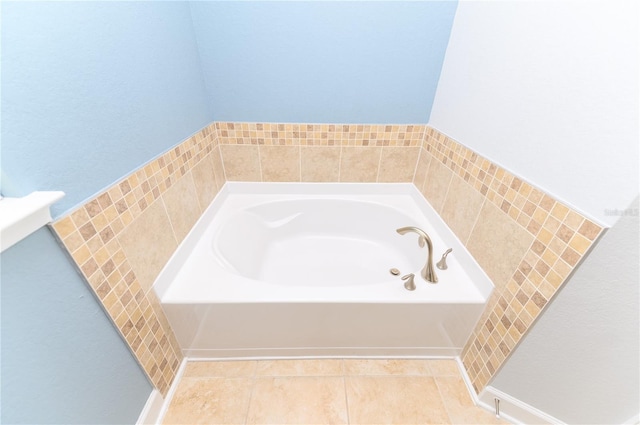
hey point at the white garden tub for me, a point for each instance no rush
(299, 269)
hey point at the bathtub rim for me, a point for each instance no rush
(171, 269)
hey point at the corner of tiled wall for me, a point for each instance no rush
(122, 238)
(527, 242)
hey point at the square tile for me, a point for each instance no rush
(498, 244)
(210, 401)
(280, 163)
(241, 162)
(182, 206)
(320, 163)
(298, 400)
(461, 207)
(398, 164)
(146, 248)
(394, 400)
(359, 164)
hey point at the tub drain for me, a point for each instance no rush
(394, 271)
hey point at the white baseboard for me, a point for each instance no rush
(467, 381)
(171, 392)
(151, 411)
(511, 409)
(514, 410)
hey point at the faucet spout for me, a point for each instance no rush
(427, 272)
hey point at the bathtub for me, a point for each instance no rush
(303, 269)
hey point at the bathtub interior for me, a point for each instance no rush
(247, 282)
(316, 242)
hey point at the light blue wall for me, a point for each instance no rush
(92, 90)
(341, 62)
(62, 360)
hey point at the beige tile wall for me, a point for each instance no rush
(121, 239)
(267, 152)
(527, 242)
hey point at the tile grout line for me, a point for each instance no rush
(379, 165)
(346, 397)
(260, 163)
(475, 223)
(344, 382)
(415, 169)
(444, 404)
(193, 183)
(446, 195)
(253, 386)
(420, 185)
(340, 164)
(224, 171)
(426, 177)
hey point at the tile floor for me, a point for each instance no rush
(326, 391)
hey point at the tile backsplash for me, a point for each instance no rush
(527, 242)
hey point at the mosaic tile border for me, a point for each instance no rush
(293, 134)
(562, 237)
(89, 233)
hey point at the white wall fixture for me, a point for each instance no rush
(19, 217)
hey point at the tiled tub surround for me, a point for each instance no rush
(527, 242)
(121, 239)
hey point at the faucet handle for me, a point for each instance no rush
(442, 264)
(409, 285)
